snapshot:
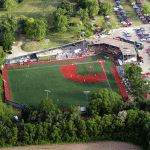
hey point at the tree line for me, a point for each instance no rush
(110, 119)
(49, 127)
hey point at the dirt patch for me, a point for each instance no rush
(85, 146)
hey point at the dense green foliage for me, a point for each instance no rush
(40, 29)
(8, 24)
(146, 9)
(60, 20)
(9, 4)
(132, 127)
(105, 8)
(67, 6)
(139, 85)
(21, 23)
(104, 102)
(6, 41)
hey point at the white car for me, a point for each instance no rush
(107, 16)
(115, 9)
(142, 40)
(134, 6)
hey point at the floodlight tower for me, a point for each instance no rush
(47, 40)
(47, 92)
(87, 92)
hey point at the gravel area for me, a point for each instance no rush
(86, 146)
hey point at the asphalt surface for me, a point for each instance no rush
(134, 37)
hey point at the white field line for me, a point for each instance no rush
(34, 67)
(49, 66)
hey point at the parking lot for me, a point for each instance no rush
(134, 37)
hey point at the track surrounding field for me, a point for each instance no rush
(27, 84)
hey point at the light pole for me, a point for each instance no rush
(47, 40)
(47, 92)
(123, 53)
(87, 92)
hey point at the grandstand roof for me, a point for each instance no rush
(128, 48)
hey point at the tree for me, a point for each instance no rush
(67, 6)
(105, 103)
(40, 29)
(84, 16)
(8, 24)
(105, 26)
(122, 115)
(81, 4)
(146, 9)
(14, 138)
(29, 133)
(73, 113)
(139, 86)
(2, 56)
(9, 4)
(133, 72)
(47, 105)
(130, 105)
(88, 34)
(30, 27)
(21, 23)
(82, 130)
(60, 20)
(7, 41)
(92, 130)
(55, 136)
(142, 102)
(93, 7)
(26, 111)
(6, 110)
(105, 8)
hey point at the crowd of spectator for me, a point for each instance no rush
(126, 84)
(105, 48)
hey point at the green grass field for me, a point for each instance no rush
(82, 69)
(28, 84)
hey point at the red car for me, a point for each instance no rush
(148, 50)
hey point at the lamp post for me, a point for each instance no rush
(47, 40)
(87, 92)
(123, 53)
(47, 92)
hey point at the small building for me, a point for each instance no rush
(83, 110)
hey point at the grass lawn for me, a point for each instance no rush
(82, 69)
(28, 84)
(45, 58)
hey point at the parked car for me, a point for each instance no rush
(118, 3)
(121, 20)
(128, 35)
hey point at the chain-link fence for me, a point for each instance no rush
(47, 52)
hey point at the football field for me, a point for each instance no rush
(28, 83)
